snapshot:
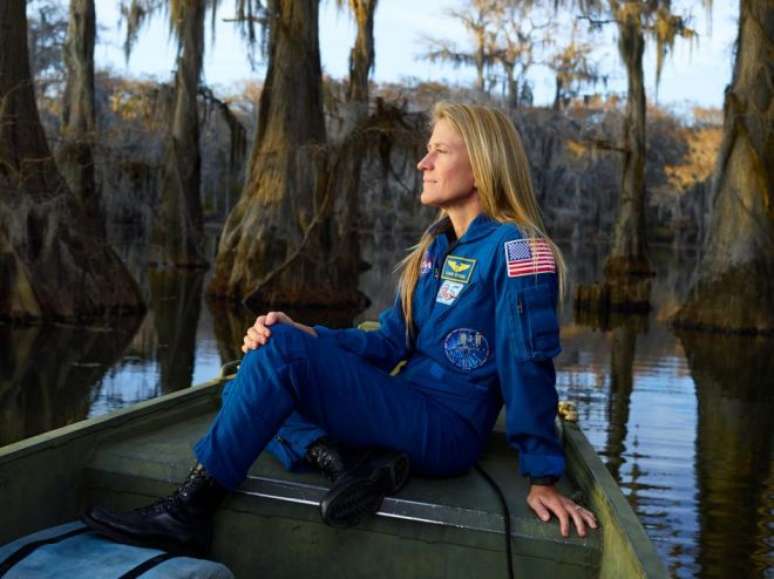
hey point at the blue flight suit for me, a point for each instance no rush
(486, 333)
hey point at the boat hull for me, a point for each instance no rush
(446, 528)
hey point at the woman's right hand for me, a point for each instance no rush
(259, 333)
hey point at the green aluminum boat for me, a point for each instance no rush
(435, 528)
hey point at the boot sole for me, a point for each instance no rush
(347, 504)
(151, 542)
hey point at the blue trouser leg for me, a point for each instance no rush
(292, 440)
(349, 399)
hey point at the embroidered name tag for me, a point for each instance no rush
(465, 348)
(449, 291)
(528, 257)
(458, 268)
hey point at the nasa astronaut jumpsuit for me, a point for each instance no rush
(486, 333)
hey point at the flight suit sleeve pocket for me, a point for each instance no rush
(536, 314)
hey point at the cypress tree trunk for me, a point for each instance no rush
(628, 272)
(734, 289)
(361, 58)
(277, 246)
(177, 234)
(558, 94)
(75, 157)
(513, 85)
(628, 253)
(480, 61)
(51, 263)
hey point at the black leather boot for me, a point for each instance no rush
(361, 480)
(180, 523)
(327, 457)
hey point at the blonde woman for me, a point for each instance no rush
(474, 319)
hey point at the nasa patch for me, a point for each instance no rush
(465, 348)
(426, 266)
(448, 292)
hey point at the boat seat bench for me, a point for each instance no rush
(434, 528)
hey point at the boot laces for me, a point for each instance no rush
(175, 501)
(327, 459)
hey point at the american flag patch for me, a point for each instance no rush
(528, 257)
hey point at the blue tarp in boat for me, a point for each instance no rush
(72, 550)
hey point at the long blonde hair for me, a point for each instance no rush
(501, 174)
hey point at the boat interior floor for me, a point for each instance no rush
(435, 527)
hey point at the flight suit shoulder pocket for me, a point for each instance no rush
(535, 312)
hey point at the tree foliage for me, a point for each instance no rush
(479, 18)
(573, 67)
(655, 19)
(46, 34)
(521, 35)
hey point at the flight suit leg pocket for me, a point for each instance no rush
(535, 313)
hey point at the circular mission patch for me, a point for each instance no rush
(465, 348)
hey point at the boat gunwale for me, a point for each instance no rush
(609, 503)
(113, 421)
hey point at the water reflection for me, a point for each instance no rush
(623, 346)
(176, 301)
(47, 373)
(733, 376)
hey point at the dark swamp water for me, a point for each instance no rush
(682, 420)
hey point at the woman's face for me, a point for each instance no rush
(447, 177)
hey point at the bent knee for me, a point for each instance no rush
(286, 337)
(285, 343)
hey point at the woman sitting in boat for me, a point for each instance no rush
(475, 321)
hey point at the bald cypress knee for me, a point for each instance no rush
(52, 265)
(734, 288)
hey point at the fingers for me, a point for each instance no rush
(582, 517)
(539, 509)
(567, 511)
(544, 506)
(577, 519)
(589, 517)
(564, 519)
(275, 317)
(258, 334)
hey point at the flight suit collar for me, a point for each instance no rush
(481, 226)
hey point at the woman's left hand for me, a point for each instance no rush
(545, 499)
